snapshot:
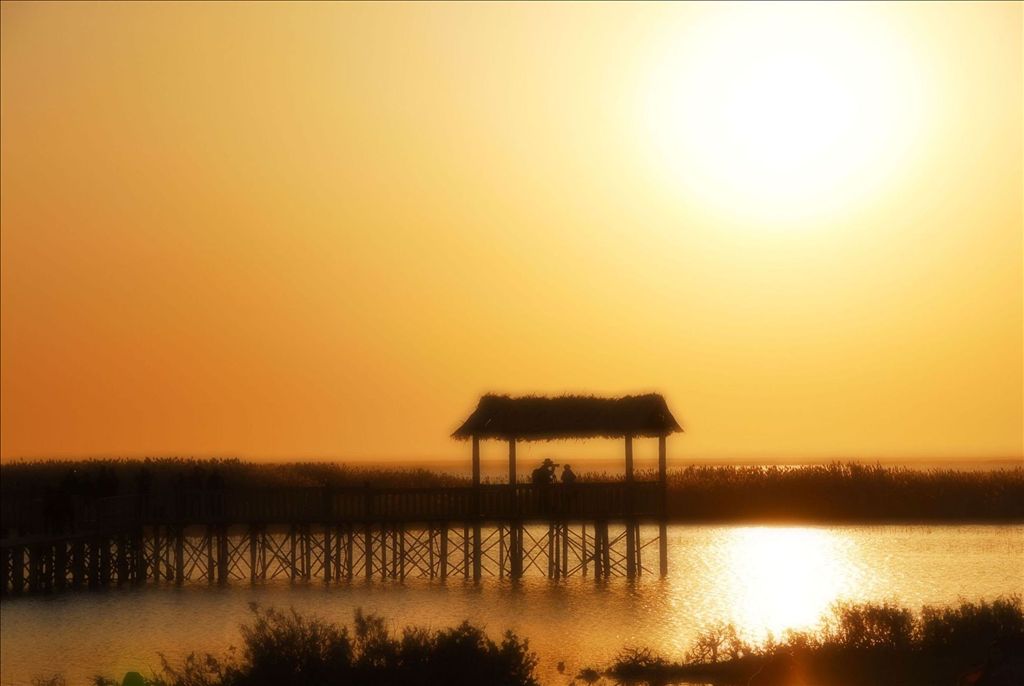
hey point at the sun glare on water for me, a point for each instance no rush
(782, 112)
(786, 578)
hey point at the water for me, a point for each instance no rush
(764, 579)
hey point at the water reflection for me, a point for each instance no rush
(760, 578)
(779, 578)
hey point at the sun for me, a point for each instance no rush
(781, 111)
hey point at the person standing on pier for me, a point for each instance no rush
(568, 476)
(545, 473)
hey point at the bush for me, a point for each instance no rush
(869, 626)
(720, 642)
(858, 644)
(972, 627)
(289, 649)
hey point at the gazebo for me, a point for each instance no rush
(541, 418)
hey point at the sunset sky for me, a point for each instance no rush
(282, 231)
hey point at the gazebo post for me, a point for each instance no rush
(629, 459)
(476, 509)
(663, 524)
(630, 522)
(476, 461)
(515, 539)
(512, 461)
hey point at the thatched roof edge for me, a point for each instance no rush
(545, 418)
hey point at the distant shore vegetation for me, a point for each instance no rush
(837, 492)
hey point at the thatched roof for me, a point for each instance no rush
(537, 418)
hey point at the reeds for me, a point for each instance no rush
(820, 493)
(845, 492)
(128, 474)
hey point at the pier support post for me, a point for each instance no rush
(140, 561)
(430, 550)
(502, 551)
(516, 549)
(34, 568)
(292, 558)
(5, 569)
(157, 560)
(477, 561)
(307, 553)
(77, 564)
(368, 552)
(179, 555)
(444, 551)
(60, 564)
(253, 539)
(583, 550)
(263, 553)
(104, 560)
(631, 548)
(209, 554)
(122, 559)
(17, 569)
(606, 553)
(565, 550)
(223, 554)
(349, 543)
(639, 550)
(551, 551)
(401, 552)
(327, 554)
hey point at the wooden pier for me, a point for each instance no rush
(306, 534)
(559, 530)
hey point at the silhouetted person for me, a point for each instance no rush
(545, 473)
(568, 476)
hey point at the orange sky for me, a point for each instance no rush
(314, 231)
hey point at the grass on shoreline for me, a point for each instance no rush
(870, 644)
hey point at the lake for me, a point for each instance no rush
(762, 578)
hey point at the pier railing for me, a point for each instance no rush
(589, 501)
